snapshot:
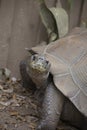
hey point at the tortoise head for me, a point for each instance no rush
(38, 65)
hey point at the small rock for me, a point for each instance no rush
(14, 79)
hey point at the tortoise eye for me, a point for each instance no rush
(33, 57)
(47, 61)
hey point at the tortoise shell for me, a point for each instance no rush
(68, 58)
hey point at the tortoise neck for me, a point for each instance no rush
(41, 81)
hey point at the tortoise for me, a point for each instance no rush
(60, 70)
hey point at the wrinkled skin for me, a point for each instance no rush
(55, 106)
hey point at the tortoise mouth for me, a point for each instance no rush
(39, 63)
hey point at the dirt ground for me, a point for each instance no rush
(19, 108)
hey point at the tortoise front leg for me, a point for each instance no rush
(51, 108)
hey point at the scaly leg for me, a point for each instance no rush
(51, 108)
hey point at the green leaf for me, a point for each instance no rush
(62, 21)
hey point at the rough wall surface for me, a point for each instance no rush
(21, 27)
